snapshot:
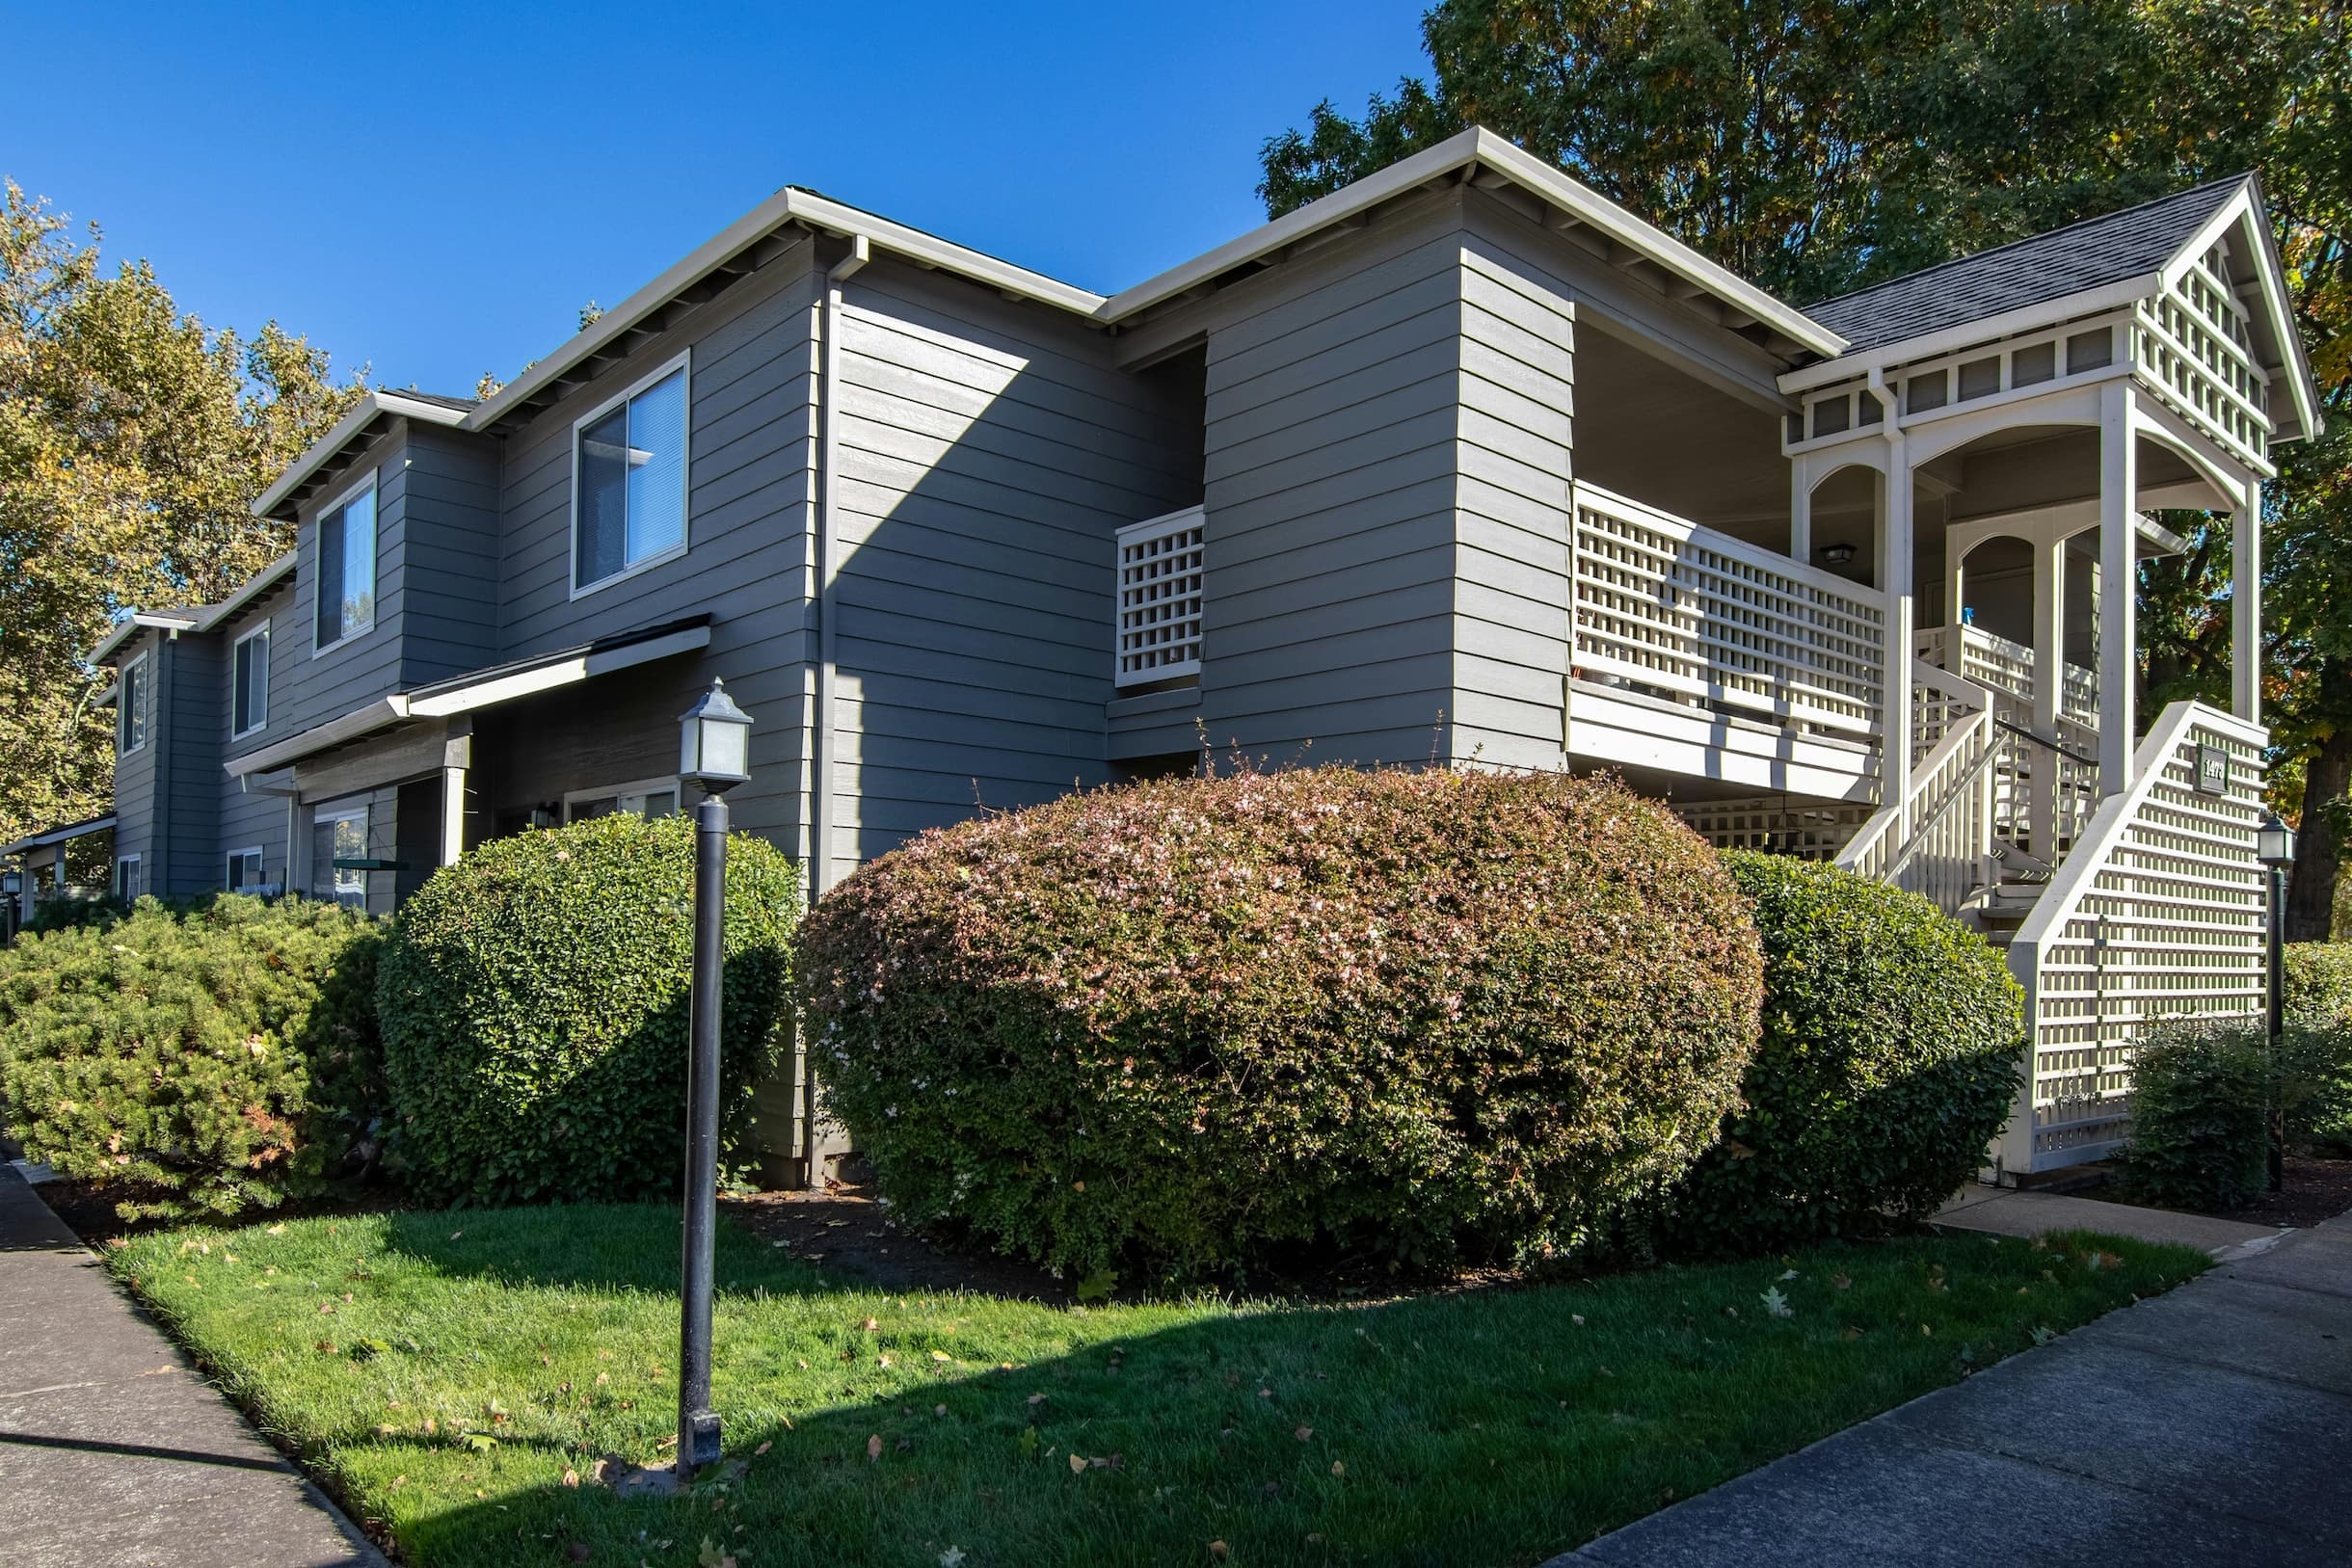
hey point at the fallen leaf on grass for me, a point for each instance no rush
(1037, 1399)
(1777, 1304)
(1078, 1464)
(1217, 1549)
(1338, 1469)
(762, 1448)
(1304, 1433)
(1841, 1282)
(572, 1477)
(873, 1447)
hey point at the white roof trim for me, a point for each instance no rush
(386, 711)
(2028, 318)
(382, 713)
(59, 836)
(251, 589)
(569, 672)
(2242, 207)
(1481, 146)
(786, 205)
(374, 405)
(139, 621)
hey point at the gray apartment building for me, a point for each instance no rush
(1462, 464)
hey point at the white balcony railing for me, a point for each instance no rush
(1664, 604)
(1159, 632)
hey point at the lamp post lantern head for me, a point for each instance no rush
(2274, 842)
(715, 742)
(12, 881)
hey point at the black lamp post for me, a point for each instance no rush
(2274, 845)
(714, 745)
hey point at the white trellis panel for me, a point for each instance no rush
(2159, 912)
(1160, 572)
(1695, 616)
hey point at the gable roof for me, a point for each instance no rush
(2132, 243)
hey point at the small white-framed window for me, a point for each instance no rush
(131, 706)
(248, 681)
(130, 880)
(628, 480)
(345, 569)
(642, 797)
(338, 833)
(243, 871)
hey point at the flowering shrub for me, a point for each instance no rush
(1892, 1036)
(198, 1059)
(534, 1008)
(1176, 1024)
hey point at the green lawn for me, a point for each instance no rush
(443, 1372)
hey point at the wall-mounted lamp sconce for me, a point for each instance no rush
(1838, 555)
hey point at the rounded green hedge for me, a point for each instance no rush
(1892, 1040)
(195, 1059)
(534, 1006)
(1168, 1027)
(2316, 1052)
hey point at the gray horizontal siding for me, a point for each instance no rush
(1328, 542)
(1511, 583)
(988, 455)
(449, 564)
(308, 688)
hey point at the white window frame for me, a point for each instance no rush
(318, 555)
(634, 787)
(348, 808)
(682, 364)
(261, 722)
(251, 853)
(130, 862)
(131, 705)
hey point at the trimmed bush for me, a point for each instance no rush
(1892, 1036)
(1175, 1024)
(203, 1060)
(2316, 1052)
(2200, 1113)
(534, 1004)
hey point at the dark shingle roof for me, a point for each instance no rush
(2127, 244)
(458, 403)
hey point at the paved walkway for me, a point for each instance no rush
(113, 1450)
(2209, 1425)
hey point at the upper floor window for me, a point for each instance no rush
(249, 694)
(628, 481)
(347, 566)
(131, 706)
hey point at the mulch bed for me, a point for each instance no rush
(2314, 1191)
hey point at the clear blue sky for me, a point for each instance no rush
(436, 190)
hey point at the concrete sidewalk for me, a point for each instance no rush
(113, 1450)
(2209, 1425)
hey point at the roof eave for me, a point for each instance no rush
(370, 407)
(137, 622)
(2008, 324)
(1481, 149)
(787, 206)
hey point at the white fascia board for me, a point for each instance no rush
(253, 588)
(379, 714)
(569, 672)
(1482, 147)
(364, 413)
(133, 624)
(2008, 324)
(59, 835)
(787, 205)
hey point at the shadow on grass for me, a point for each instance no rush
(1499, 1426)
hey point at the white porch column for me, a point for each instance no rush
(2118, 580)
(1895, 572)
(1801, 511)
(457, 755)
(2246, 605)
(2049, 684)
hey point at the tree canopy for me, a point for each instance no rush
(132, 440)
(1821, 146)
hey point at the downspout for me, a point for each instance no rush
(823, 742)
(1894, 747)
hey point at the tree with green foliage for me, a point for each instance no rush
(132, 439)
(1820, 146)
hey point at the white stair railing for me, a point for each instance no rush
(1937, 841)
(2157, 912)
(1665, 605)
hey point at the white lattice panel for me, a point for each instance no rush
(1159, 635)
(1697, 616)
(2157, 913)
(1809, 830)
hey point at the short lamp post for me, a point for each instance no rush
(714, 751)
(2274, 845)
